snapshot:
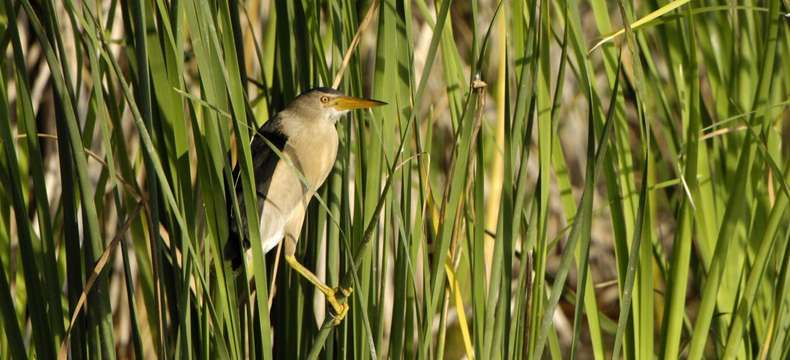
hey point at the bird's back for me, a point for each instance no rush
(264, 162)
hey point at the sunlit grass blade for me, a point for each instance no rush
(643, 21)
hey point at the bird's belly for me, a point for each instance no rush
(267, 244)
(273, 221)
(272, 241)
(293, 184)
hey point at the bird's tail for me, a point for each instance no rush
(234, 249)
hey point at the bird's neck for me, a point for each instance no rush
(313, 147)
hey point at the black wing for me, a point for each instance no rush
(264, 161)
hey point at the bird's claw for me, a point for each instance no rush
(339, 313)
(339, 310)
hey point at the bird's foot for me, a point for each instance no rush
(339, 309)
(339, 314)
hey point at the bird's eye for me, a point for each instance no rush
(324, 99)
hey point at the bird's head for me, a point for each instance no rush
(328, 104)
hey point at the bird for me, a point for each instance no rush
(306, 140)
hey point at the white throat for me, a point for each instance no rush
(335, 115)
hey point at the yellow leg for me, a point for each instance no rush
(339, 309)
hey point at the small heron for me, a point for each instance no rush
(305, 135)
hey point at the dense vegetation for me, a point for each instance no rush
(565, 179)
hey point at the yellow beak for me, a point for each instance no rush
(343, 103)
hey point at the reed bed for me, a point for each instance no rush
(551, 179)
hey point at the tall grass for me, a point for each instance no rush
(550, 179)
